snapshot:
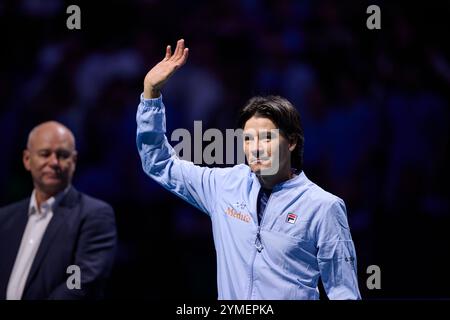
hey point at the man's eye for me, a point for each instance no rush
(247, 138)
(63, 154)
(44, 154)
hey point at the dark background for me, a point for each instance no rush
(374, 104)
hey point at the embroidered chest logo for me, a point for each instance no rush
(236, 214)
(291, 218)
(240, 205)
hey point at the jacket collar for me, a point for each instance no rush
(298, 180)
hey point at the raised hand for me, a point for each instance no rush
(160, 73)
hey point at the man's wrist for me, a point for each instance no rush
(151, 93)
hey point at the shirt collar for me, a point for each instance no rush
(47, 205)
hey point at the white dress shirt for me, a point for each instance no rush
(38, 221)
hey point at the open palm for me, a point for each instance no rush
(161, 72)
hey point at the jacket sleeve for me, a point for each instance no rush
(336, 253)
(192, 183)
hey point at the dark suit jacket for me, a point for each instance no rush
(81, 232)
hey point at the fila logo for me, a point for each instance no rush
(291, 218)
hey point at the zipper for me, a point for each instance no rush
(250, 286)
(258, 240)
(258, 245)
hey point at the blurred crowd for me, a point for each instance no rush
(374, 106)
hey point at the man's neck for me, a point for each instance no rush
(268, 182)
(42, 196)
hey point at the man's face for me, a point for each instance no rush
(265, 148)
(51, 158)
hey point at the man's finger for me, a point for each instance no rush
(168, 53)
(184, 56)
(181, 52)
(179, 49)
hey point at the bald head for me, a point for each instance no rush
(51, 157)
(48, 131)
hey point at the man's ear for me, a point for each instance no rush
(26, 159)
(75, 157)
(292, 143)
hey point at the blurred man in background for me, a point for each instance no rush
(57, 227)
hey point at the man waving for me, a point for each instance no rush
(276, 233)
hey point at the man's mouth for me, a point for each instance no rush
(259, 160)
(52, 175)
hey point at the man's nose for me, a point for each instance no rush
(256, 148)
(54, 159)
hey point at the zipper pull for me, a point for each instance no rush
(258, 243)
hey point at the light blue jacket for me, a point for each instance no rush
(282, 258)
